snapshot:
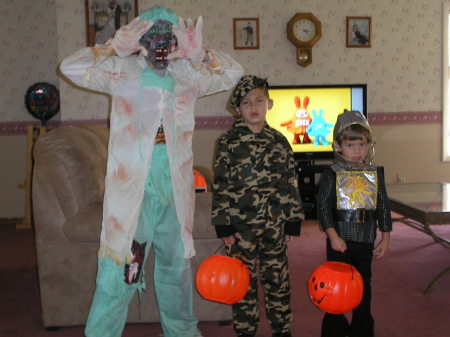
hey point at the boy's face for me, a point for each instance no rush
(354, 151)
(253, 109)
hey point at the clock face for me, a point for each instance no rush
(304, 30)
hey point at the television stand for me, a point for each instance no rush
(308, 176)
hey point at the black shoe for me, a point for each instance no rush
(282, 334)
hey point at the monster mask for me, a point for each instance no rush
(159, 41)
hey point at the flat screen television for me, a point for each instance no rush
(306, 115)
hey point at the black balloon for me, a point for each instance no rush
(42, 101)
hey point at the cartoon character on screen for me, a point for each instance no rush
(319, 128)
(301, 120)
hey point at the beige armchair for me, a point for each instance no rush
(67, 193)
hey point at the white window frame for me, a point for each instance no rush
(446, 85)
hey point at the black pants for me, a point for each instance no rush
(360, 256)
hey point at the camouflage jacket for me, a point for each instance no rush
(255, 182)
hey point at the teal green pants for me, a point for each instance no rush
(159, 227)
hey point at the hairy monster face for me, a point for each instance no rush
(159, 41)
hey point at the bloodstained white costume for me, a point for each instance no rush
(140, 100)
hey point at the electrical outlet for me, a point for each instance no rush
(401, 178)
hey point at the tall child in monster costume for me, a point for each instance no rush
(352, 204)
(256, 206)
(154, 68)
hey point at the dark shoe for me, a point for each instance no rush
(282, 334)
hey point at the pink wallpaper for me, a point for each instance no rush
(28, 52)
(402, 69)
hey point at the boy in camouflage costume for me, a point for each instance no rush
(256, 206)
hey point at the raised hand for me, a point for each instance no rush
(190, 41)
(126, 39)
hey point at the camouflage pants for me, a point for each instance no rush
(263, 251)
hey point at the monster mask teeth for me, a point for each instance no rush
(161, 53)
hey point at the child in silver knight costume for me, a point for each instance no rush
(352, 203)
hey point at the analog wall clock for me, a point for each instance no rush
(304, 30)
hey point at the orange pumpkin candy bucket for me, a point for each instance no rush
(335, 287)
(222, 279)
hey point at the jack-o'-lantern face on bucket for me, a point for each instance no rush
(335, 287)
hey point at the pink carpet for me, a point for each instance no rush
(399, 306)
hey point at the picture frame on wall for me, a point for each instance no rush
(359, 31)
(246, 33)
(104, 17)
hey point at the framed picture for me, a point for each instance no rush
(104, 17)
(246, 33)
(359, 31)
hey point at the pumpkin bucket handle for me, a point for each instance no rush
(235, 254)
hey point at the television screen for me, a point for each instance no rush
(306, 114)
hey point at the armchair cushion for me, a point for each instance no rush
(84, 226)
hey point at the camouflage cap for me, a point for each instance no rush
(246, 84)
